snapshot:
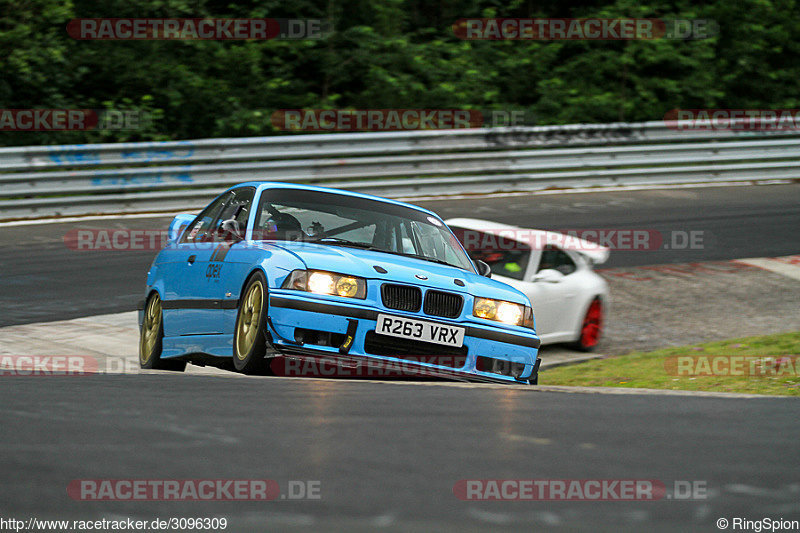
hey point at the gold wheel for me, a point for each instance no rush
(151, 330)
(249, 321)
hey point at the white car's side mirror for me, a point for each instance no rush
(548, 275)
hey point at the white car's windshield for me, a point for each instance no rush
(339, 220)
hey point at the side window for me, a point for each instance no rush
(244, 199)
(199, 229)
(556, 259)
(238, 208)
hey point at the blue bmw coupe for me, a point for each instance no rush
(283, 271)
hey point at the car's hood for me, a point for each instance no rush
(398, 268)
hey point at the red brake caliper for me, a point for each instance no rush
(591, 324)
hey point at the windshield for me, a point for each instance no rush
(339, 220)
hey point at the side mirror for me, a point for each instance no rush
(548, 275)
(483, 269)
(230, 231)
(179, 225)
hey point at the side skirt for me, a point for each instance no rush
(216, 345)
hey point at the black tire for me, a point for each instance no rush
(249, 334)
(151, 336)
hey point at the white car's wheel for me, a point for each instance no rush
(591, 327)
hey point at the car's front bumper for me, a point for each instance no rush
(345, 332)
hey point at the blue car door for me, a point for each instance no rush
(223, 270)
(186, 294)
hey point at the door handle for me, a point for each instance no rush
(192, 259)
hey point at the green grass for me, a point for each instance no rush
(660, 370)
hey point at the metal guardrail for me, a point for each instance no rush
(41, 181)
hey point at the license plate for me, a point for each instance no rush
(421, 330)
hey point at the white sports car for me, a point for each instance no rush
(553, 269)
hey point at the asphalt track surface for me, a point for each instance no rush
(387, 456)
(41, 279)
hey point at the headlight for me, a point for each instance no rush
(509, 313)
(321, 282)
(505, 312)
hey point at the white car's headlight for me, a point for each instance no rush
(502, 311)
(322, 282)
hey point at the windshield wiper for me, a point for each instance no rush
(343, 242)
(426, 258)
